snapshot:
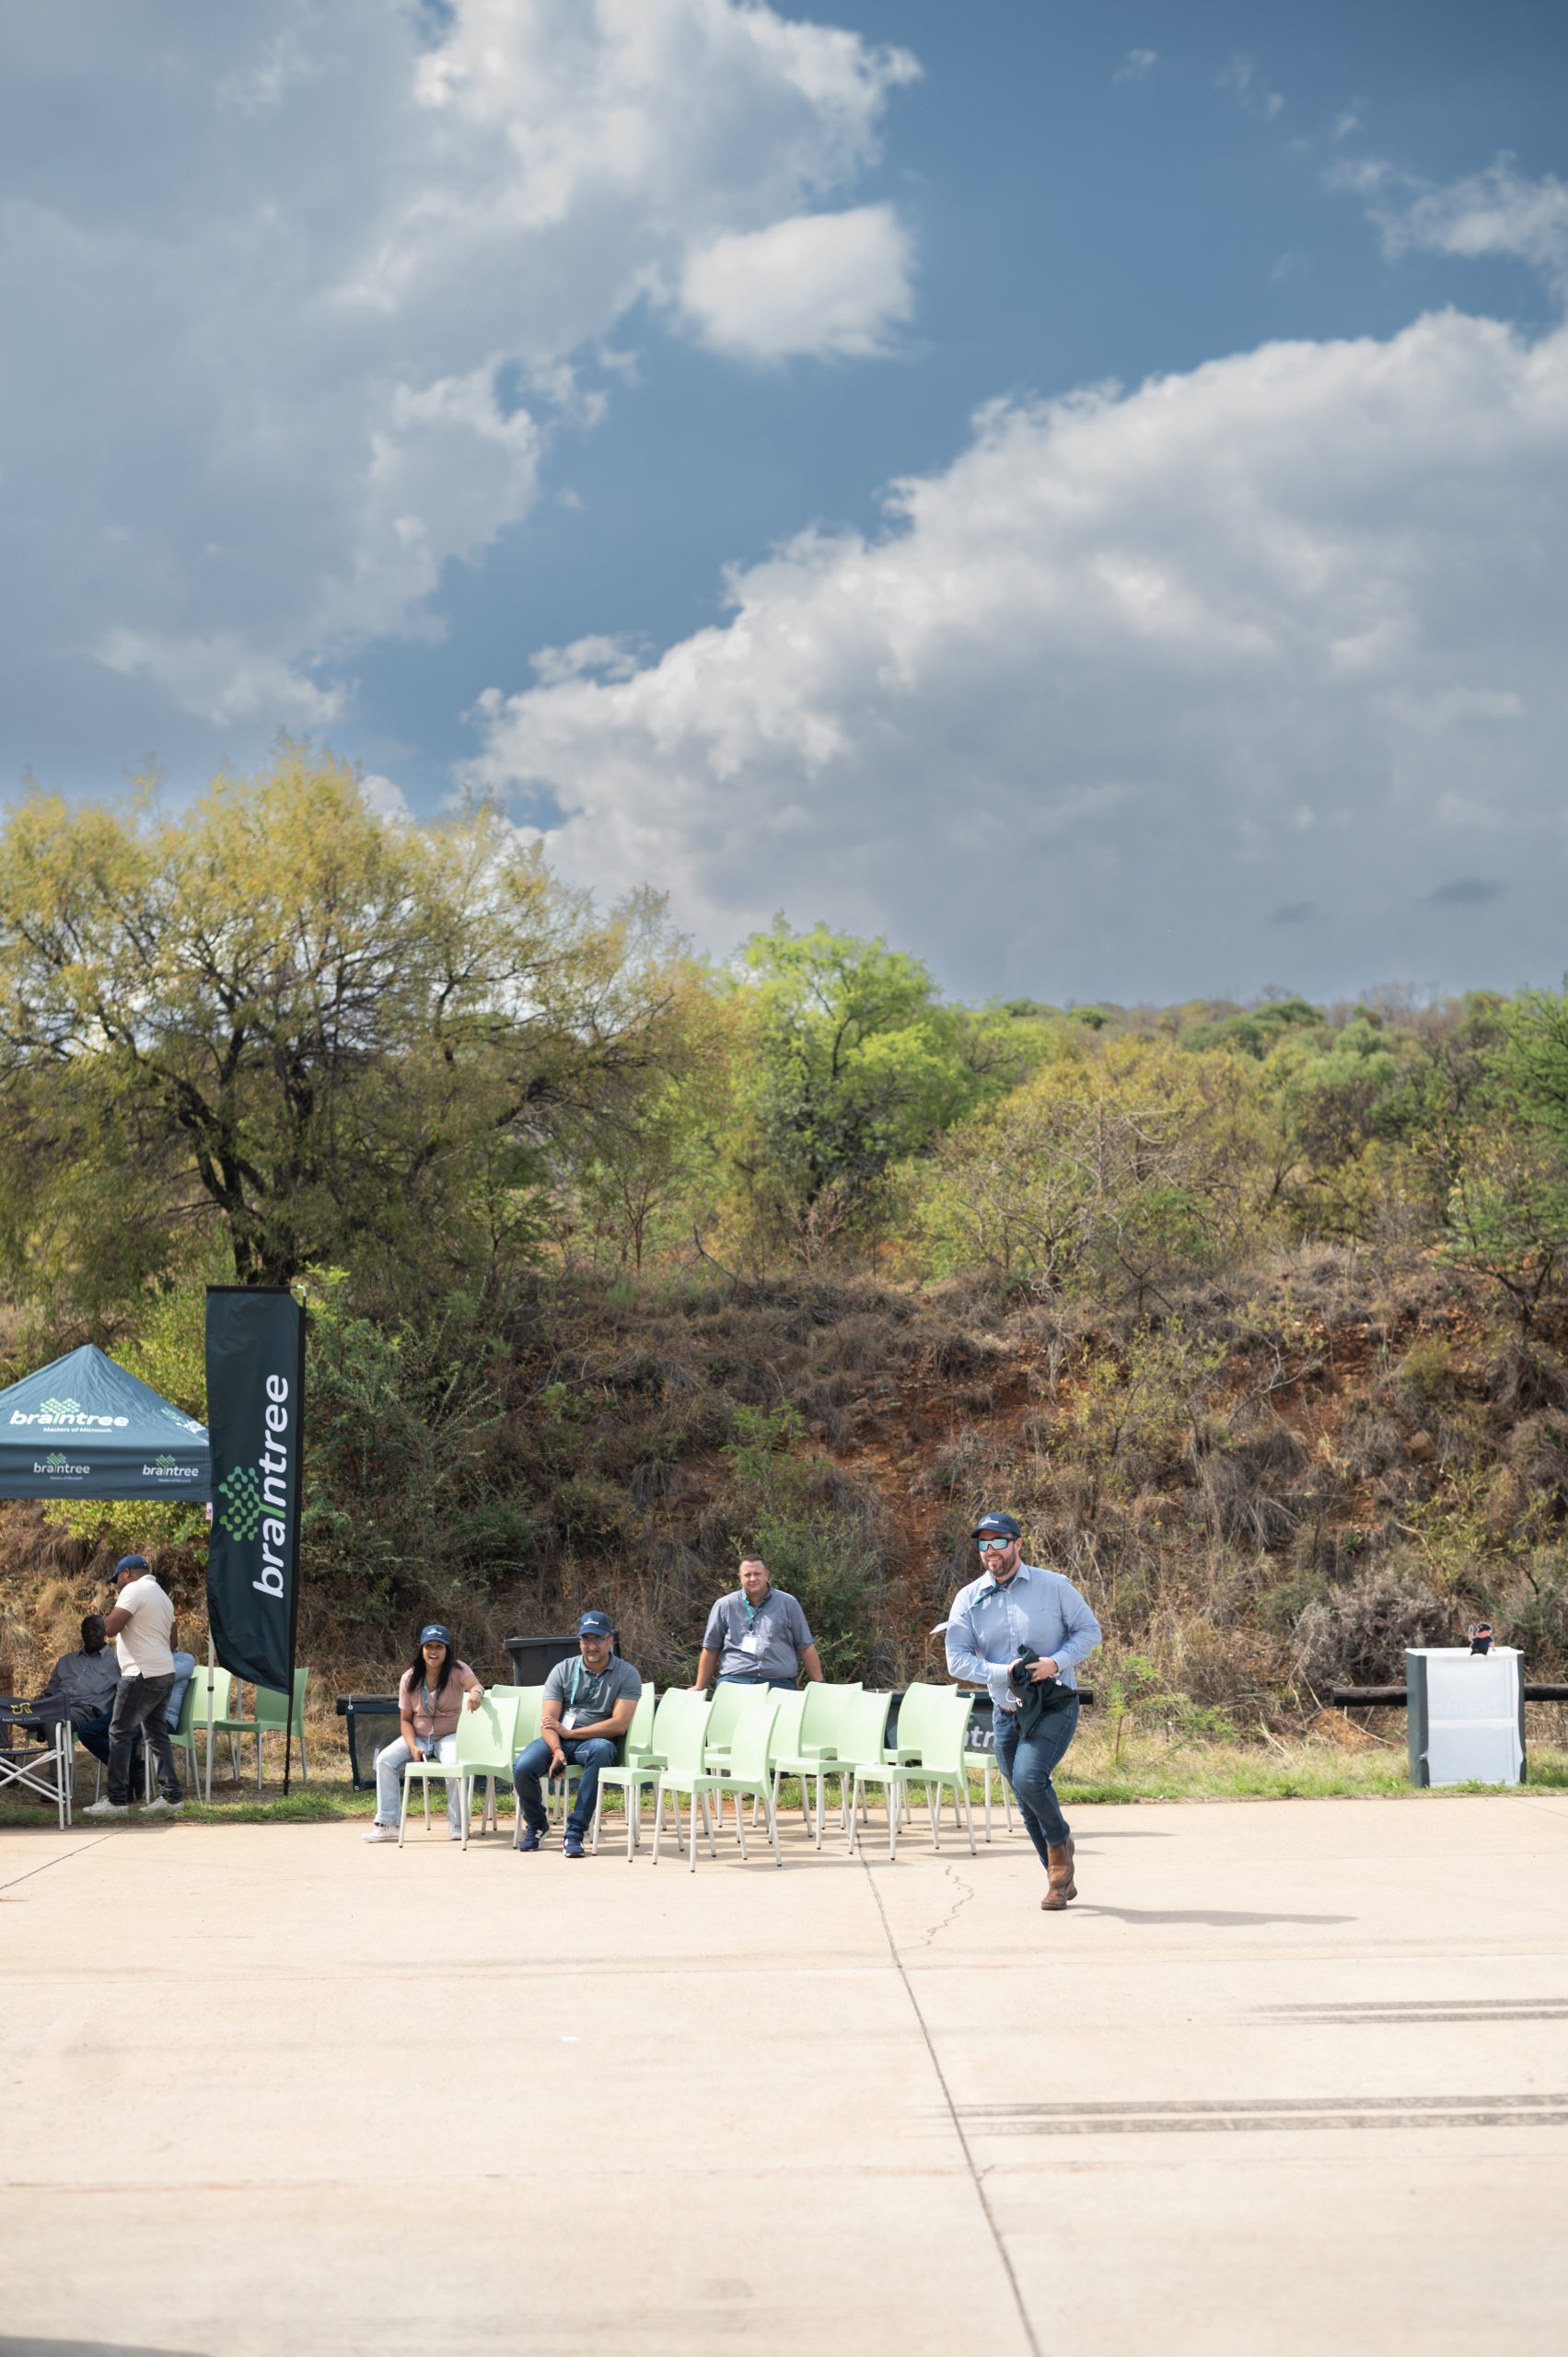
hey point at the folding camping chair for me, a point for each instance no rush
(43, 1763)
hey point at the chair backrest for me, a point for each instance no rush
(485, 1736)
(272, 1703)
(730, 1703)
(914, 1714)
(531, 1702)
(946, 1727)
(784, 1743)
(193, 1709)
(863, 1729)
(194, 1703)
(823, 1714)
(751, 1749)
(680, 1729)
(640, 1733)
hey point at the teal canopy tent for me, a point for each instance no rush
(82, 1427)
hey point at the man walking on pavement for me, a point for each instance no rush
(141, 1624)
(587, 1706)
(1019, 1631)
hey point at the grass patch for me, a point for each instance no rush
(1149, 1770)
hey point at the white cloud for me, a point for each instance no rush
(1137, 65)
(1066, 713)
(1497, 211)
(290, 269)
(1240, 78)
(824, 285)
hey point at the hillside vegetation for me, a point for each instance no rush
(620, 1260)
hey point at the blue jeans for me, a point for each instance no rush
(590, 1754)
(1028, 1768)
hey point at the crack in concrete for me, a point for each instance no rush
(966, 1892)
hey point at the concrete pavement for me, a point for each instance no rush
(1287, 2077)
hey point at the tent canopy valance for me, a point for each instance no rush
(82, 1427)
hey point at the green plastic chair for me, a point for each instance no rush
(784, 1743)
(825, 1707)
(824, 1712)
(986, 1762)
(746, 1780)
(940, 1767)
(498, 1713)
(474, 1755)
(192, 1725)
(271, 1717)
(914, 1716)
(637, 1766)
(730, 1703)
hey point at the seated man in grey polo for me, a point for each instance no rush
(586, 1708)
(757, 1636)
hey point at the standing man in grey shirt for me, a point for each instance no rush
(757, 1636)
(589, 1704)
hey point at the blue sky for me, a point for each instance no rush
(1250, 681)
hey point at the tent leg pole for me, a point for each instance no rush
(211, 1659)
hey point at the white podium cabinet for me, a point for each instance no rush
(1467, 1715)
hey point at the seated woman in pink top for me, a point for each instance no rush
(429, 1697)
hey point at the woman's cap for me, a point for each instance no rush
(435, 1632)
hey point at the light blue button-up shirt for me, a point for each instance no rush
(987, 1625)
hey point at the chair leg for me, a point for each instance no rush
(969, 1814)
(402, 1814)
(988, 1800)
(739, 1824)
(659, 1818)
(933, 1801)
(773, 1831)
(693, 1859)
(855, 1816)
(304, 1771)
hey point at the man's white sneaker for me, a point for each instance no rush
(162, 1807)
(381, 1833)
(107, 1808)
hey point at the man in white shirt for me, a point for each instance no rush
(142, 1625)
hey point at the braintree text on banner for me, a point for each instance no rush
(255, 1415)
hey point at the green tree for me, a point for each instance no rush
(332, 1039)
(853, 1064)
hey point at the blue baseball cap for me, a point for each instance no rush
(999, 1525)
(131, 1563)
(435, 1632)
(596, 1624)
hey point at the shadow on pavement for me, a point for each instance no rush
(1221, 1917)
(27, 2347)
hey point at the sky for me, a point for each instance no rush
(1079, 491)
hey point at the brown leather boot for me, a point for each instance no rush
(1062, 1886)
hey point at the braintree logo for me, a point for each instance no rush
(67, 1412)
(240, 1517)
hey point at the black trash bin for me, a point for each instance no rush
(533, 1658)
(372, 1721)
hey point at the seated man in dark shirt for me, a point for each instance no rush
(86, 1682)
